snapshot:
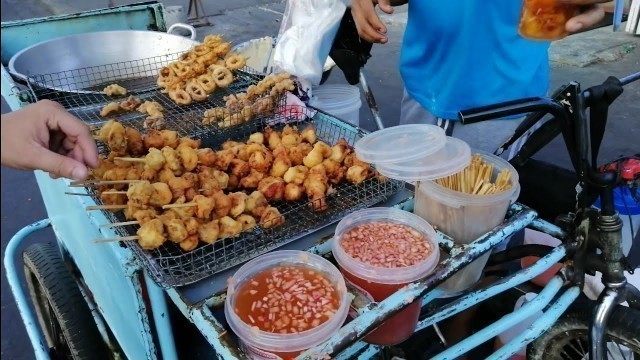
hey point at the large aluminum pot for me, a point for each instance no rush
(79, 62)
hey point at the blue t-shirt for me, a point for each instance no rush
(461, 54)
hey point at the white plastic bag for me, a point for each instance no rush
(306, 35)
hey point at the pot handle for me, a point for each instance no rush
(191, 29)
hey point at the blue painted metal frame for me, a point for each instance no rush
(36, 337)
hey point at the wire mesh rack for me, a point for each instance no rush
(80, 92)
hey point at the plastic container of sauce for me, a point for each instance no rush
(380, 250)
(545, 19)
(285, 302)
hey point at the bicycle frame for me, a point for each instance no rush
(589, 230)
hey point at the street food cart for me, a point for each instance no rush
(125, 292)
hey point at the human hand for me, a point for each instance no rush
(368, 23)
(44, 136)
(590, 14)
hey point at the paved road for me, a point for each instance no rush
(246, 19)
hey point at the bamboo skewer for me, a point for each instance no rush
(173, 206)
(106, 207)
(130, 159)
(124, 238)
(114, 192)
(102, 182)
(124, 223)
(78, 194)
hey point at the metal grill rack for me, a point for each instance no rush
(169, 265)
(80, 91)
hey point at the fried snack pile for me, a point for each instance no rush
(259, 99)
(201, 71)
(225, 192)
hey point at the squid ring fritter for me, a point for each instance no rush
(188, 58)
(180, 96)
(196, 91)
(222, 76)
(201, 50)
(207, 82)
(235, 62)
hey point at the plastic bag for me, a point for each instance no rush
(306, 35)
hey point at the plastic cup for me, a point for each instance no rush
(545, 19)
(465, 217)
(260, 344)
(379, 283)
(536, 237)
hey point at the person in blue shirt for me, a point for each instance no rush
(462, 54)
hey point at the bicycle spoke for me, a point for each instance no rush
(574, 348)
(583, 352)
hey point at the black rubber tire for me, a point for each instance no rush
(59, 303)
(623, 328)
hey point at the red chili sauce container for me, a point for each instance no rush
(285, 302)
(380, 250)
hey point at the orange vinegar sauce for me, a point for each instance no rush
(287, 300)
(545, 19)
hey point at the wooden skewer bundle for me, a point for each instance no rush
(476, 179)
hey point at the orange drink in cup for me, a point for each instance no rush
(545, 19)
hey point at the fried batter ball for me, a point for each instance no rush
(188, 156)
(206, 156)
(222, 204)
(209, 232)
(256, 203)
(280, 166)
(151, 234)
(293, 192)
(271, 218)
(357, 174)
(272, 188)
(229, 227)
(248, 222)
(153, 139)
(237, 203)
(252, 180)
(204, 206)
(296, 174)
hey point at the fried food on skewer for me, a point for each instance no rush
(151, 234)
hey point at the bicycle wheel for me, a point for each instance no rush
(567, 339)
(62, 312)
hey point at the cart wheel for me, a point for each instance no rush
(62, 312)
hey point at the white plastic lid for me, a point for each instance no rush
(453, 157)
(400, 143)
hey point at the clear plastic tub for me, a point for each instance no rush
(465, 217)
(378, 282)
(260, 344)
(341, 101)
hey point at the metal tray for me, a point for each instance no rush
(169, 265)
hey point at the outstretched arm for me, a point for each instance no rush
(44, 136)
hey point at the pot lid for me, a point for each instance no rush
(400, 143)
(453, 157)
